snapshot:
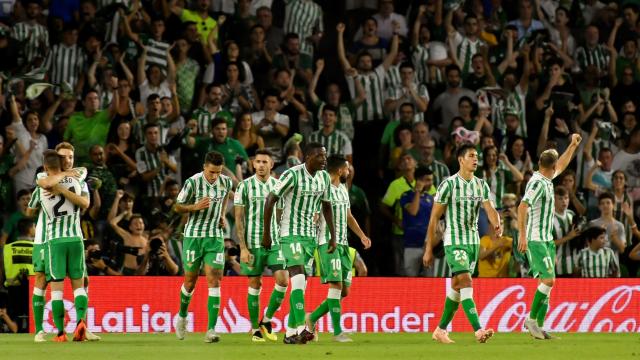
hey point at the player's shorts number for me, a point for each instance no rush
(191, 255)
(296, 248)
(547, 262)
(459, 255)
(335, 264)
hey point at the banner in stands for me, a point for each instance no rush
(150, 304)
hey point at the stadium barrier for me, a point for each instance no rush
(150, 304)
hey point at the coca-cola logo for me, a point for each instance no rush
(613, 311)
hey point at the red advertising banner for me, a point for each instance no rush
(150, 304)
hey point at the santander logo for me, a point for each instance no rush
(611, 312)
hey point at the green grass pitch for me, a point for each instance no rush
(510, 346)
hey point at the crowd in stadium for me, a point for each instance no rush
(143, 89)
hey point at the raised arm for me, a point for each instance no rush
(314, 81)
(517, 175)
(391, 56)
(124, 234)
(565, 158)
(125, 69)
(342, 55)
(544, 133)
(142, 63)
(415, 36)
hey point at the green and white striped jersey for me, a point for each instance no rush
(399, 92)
(205, 222)
(393, 78)
(440, 172)
(465, 49)
(34, 39)
(497, 180)
(336, 143)
(163, 125)
(420, 56)
(302, 196)
(346, 111)
(252, 195)
(65, 63)
(598, 56)
(303, 17)
(147, 160)
(340, 205)
(373, 85)
(204, 118)
(41, 222)
(514, 101)
(566, 258)
(539, 196)
(61, 215)
(598, 264)
(463, 200)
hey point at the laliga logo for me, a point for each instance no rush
(562, 316)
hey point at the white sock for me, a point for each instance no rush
(56, 295)
(38, 292)
(214, 292)
(466, 293)
(298, 282)
(79, 292)
(453, 295)
(253, 291)
(544, 289)
(185, 292)
(334, 294)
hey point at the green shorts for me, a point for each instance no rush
(335, 267)
(462, 258)
(65, 258)
(298, 251)
(39, 257)
(542, 259)
(273, 259)
(195, 251)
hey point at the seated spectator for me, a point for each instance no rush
(416, 212)
(597, 260)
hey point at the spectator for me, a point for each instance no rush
(152, 162)
(447, 102)
(388, 21)
(236, 96)
(28, 146)
(272, 125)
(392, 210)
(335, 141)
(101, 179)
(404, 145)
(65, 62)
(200, 16)
(628, 158)
(409, 91)
(597, 260)
(498, 172)
(120, 152)
(464, 47)
(230, 148)
(370, 42)
(388, 141)
(360, 208)
(615, 238)
(526, 24)
(153, 116)
(91, 126)
(96, 261)
(440, 170)
(232, 55)
(428, 68)
(576, 196)
(34, 36)
(346, 111)
(416, 212)
(10, 230)
(273, 34)
(246, 133)
(304, 18)
(593, 53)
(231, 255)
(258, 57)
(495, 255)
(295, 60)
(157, 261)
(565, 234)
(134, 242)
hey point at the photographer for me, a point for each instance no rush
(97, 263)
(157, 260)
(231, 256)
